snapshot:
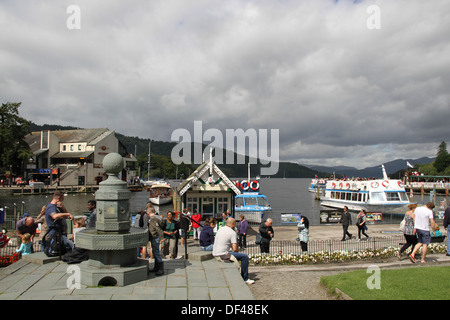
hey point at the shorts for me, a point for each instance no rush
(423, 236)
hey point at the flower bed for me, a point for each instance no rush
(331, 257)
(8, 259)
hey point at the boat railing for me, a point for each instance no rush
(428, 185)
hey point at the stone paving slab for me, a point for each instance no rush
(202, 278)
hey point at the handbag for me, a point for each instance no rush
(258, 238)
(402, 225)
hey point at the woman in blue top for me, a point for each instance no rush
(303, 235)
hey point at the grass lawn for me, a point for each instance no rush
(428, 283)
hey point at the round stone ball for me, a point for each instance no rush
(113, 163)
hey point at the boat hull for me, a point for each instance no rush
(160, 200)
(391, 208)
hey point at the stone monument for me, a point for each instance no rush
(113, 244)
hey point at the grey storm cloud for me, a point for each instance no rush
(338, 91)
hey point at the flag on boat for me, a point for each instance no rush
(409, 164)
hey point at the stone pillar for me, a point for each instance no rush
(113, 244)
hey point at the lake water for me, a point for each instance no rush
(285, 196)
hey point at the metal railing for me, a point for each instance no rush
(294, 247)
(11, 247)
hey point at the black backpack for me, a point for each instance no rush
(53, 243)
(77, 255)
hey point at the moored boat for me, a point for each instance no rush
(377, 195)
(160, 193)
(253, 205)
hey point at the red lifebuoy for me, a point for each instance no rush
(245, 185)
(333, 185)
(385, 183)
(347, 185)
(400, 183)
(374, 184)
(341, 185)
(254, 185)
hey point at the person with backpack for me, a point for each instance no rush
(141, 222)
(55, 215)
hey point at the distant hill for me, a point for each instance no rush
(161, 153)
(372, 172)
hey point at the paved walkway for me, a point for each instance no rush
(42, 278)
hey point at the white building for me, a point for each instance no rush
(74, 157)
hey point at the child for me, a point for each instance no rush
(25, 247)
(436, 232)
(78, 225)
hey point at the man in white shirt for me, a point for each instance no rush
(226, 239)
(423, 218)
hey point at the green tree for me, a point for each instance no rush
(442, 159)
(14, 151)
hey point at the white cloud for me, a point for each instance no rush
(338, 92)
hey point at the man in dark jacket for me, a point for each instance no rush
(446, 226)
(267, 233)
(346, 220)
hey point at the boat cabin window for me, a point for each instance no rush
(239, 202)
(250, 201)
(403, 196)
(392, 196)
(378, 196)
(262, 202)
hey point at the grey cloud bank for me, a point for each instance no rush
(339, 92)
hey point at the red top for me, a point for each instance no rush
(197, 218)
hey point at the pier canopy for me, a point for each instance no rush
(208, 190)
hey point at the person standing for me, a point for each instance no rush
(346, 220)
(156, 236)
(361, 224)
(55, 215)
(92, 208)
(303, 233)
(242, 229)
(423, 218)
(196, 218)
(267, 233)
(446, 223)
(170, 229)
(408, 230)
(226, 237)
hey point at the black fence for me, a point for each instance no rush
(294, 247)
(11, 247)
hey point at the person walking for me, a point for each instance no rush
(303, 233)
(408, 230)
(361, 224)
(423, 219)
(267, 233)
(446, 224)
(242, 229)
(346, 220)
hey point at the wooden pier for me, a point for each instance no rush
(27, 190)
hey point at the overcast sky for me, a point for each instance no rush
(340, 90)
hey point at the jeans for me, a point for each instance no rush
(448, 239)
(243, 258)
(208, 248)
(155, 249)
